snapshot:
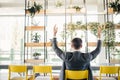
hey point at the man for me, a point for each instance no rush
(75, 60)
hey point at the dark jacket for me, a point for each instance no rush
(76, 60)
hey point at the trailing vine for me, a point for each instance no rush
(108, 31)
(110, 36)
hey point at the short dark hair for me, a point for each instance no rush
(77, 43)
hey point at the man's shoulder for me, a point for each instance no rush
(74, 52)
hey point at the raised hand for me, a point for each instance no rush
(99, 32)
(55, 30)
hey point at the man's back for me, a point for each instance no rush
(77, 60)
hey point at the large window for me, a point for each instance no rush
(12, 31)
(11, 42)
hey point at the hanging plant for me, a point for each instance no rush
(93, 26)
(34, 9)
(109, 34)
(115, 5)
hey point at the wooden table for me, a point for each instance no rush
(58, 67)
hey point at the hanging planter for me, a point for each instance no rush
(115, 6)
(34, 9)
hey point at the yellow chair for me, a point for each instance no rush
(112, 71)
(119, 73)
(17, 69)
(80, 74)
(42, 70)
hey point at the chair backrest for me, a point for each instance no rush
(79, 74)
(109, 70)
(42, 69)
(17, 69)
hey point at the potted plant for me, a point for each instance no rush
(34, 9)
(58, 3)
(115, 5)
(36, 55)
(36, 38)
(77, 8)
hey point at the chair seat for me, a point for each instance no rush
(55, 77)
(106, 78)
(42, 78)
(17, 78)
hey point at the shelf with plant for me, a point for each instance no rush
(58, 11)
(68, 11)
(38, 9)
(92, 26)
(41, 44)
(31, 28)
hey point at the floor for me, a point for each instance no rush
(4, 75)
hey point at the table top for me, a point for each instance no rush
(55, 66)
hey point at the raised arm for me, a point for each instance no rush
(57, 50)
(98, 48)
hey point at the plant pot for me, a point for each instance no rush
(36, 41)
(36, 57)
(27, 12)
(78, 10)
(110, 10)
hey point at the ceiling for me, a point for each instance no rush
(20, 3)
(17, 6)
